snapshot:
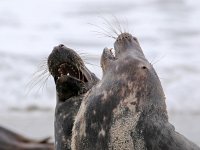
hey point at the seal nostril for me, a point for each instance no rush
(61, 45)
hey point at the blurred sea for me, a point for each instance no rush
(168, 30)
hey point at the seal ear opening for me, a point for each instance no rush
(144, 67)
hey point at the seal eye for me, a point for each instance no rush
(144, 67)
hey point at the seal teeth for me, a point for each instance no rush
(112, 51)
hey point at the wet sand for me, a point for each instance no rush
(40, 124)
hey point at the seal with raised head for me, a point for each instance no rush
(73, 80)
(10, 140)
(126, 110)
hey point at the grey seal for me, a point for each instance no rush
(126, 110)
(72, 79)
(10, 140)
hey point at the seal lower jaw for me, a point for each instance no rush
(107, 58)
(71, 81)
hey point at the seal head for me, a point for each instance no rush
(67, 67)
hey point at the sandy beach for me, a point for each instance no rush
(40, 124)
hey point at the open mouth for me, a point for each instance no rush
(67, 69)
(109, 53)
(112, 52)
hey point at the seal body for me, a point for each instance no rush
(10, 140)
(126, 110)
(73, 80)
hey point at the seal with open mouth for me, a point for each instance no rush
(10, 140)
(73, 80)
(126, 110)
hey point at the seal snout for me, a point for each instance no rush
(58, 48)
(64, 61)
(124, 36)
(126, 42)
(61, 45)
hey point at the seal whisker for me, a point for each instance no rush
(33, 83)
(44, 83)
(41, 74)
(104, 31)
(44, 78)
(82, 53)
(42, 67)
(78, 72)
(118, 24)
(37, 75)
(104, 34)
(85, 59)
(160, 75)
(163, 79)
(110, 26)
(91, 64)
(112, 29)
(37, 79)
(40, 83)
(126, 29)
(153, 62)
(43, 63)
